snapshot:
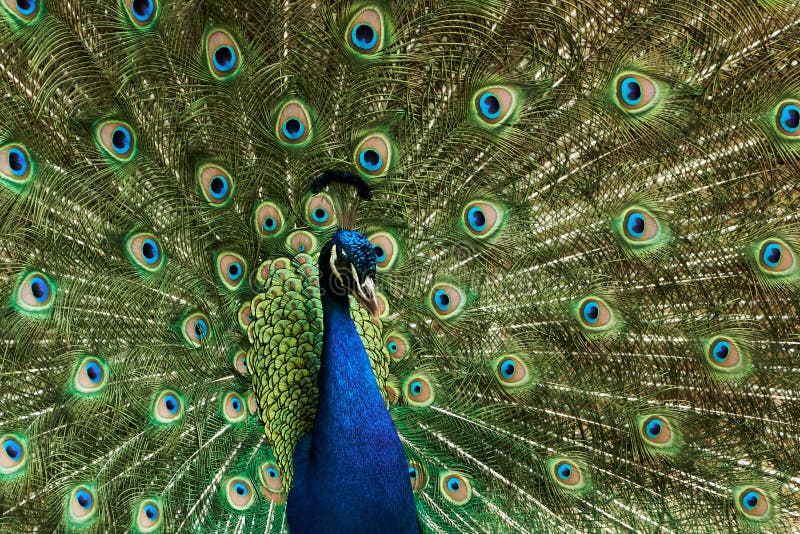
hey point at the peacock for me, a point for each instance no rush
(393, 266)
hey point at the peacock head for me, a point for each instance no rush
(348, 263)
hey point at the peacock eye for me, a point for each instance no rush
(787, 119)
(215, 183)
(116, 139)
(640, 226)
(230, 269)
(511, 371)
(35, 294)
(752, 502)
(417, 475)
(240, 362)
(365, 32)
(594, 313)
(483, 219)
(233, 408)
(196, 329)
(418, 391)
(635, 93)
(455, 487)
(494, 105)
(447, 301)
(25, 11)
(386, 249)
(271, 477)
(319, 211)
(293, 127)
(141, 12)
(239, 493)
(13, 454)
(167, 407)
(302, 242)
(776, 258)
(223, 54)
(397, 346)
(268, 219)
(90, 375)
(148, 516)
(144, 250)
(373, 155)
(16, 167)
(82, 504)
(656, 431)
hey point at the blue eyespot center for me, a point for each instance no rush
(416, 387)
(171, 403)
(224, 58)
(477, 219)
(453, 484)
(392, 346)
(631, 91)
(26, 7)
(121, 140)
(235, 271)
(721, 350)
(635, 224)
(790, 118)
(380, 254)
(151, 512)
(364, 36)
(272, 472)
(236, 404)
(142, 9)
(370, 159)
(150, 251)
(293, 129)
(240, 489)
(442, 299)
(84, 499)
(94, 372)
(17, 161)
(750, 500)
(200, 328)
(591, 312)
(39, 289)
(654, 428)
(320, 215)
(772, 255)
(508, 368)
(490, 105)
(270, 223)
(219, 186)
(412, 472)
(564, 471)
(13, 449)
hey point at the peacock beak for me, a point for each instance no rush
(365, 293)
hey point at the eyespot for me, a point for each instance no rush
(302, 242)
(141, 12)
(13, 454)
(566, 474)
(231, 269)
(482, 219)
(455, 487)
(239, 493)
(656, 431)
(167, 407)
(639, 227)
(373, 155)
(447, 301)
(233, 408)
(319, 211)
(752, 502)
(196, 329)
(418, 476)
(148, 516)
(494, 105)
(223, 55)
(35, 294)
(397, 346)
(271, 477)
(216, 184)
(418, 391)
(722, 354)
(787, 119)
(245, 316)
(144, 251)
(90, 376)
(268, 219)
(116, 139)
(252, 403)
(293, 127)
(511, 371)
(594, 314)
(240, 362)
(16, 167)
(82, 505)
(635, 92)
(776, 258)
(25, 11)
(386, 249)
(365, 32)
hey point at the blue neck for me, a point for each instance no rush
(353, 474)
